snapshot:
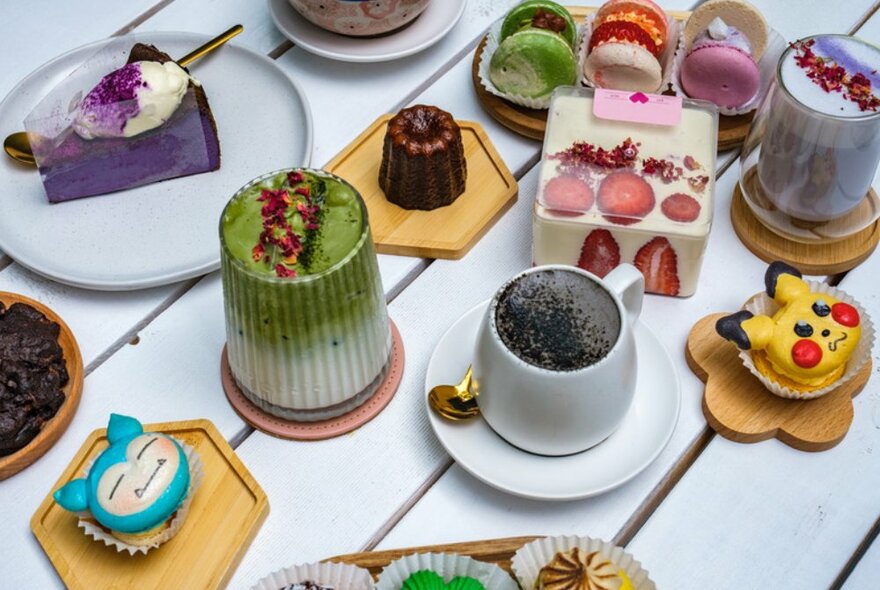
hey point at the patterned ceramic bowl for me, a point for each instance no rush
(360, 18)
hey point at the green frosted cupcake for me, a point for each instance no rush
(540, 14)
(431, 580)
(532, 63)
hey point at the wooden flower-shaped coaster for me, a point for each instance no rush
(738, 407)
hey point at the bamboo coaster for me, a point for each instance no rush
(226, 512)
(532, 123)
(446, 232)
(816, 258)
(320, 429)
(54, 428)
(738, 407)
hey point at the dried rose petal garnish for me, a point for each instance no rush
(832, 77)
(581, 155)
(666, 170)
(278, 237)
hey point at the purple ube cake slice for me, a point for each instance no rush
(72, 167)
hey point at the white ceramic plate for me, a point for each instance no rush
(430, 26)
(479, 450)
(166, 231)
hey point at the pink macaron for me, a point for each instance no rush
(723, 74)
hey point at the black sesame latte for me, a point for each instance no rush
(557, 320)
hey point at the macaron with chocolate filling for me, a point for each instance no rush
(532, 63)
(540, 14)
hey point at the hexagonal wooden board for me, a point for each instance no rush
(738, 407)
(226, 512)
(446, 232)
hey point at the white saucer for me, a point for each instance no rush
(428, 28)
(166, 231)
(479, 450)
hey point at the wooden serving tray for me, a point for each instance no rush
(447, 232)
(54, 428)
(226, 512)
(532, 123)
(497, 551)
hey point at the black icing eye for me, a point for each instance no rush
(803, 329)
(820, 308)
(826, 333)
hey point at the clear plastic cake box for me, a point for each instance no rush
(604, 184)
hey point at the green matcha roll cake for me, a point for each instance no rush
(307, 330)
(534, 53)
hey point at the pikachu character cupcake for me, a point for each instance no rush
(808, 343)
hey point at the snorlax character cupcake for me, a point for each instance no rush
(136, 490)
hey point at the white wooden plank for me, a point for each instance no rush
(866, 575)
(32, 33)
(213, 16)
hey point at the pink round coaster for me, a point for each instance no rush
(323, 429)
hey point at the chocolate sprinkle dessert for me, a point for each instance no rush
(32, 374)
(557, 320)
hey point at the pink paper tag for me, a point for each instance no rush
(637, 107)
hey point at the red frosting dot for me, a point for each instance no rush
(845, 314)
(806, 353)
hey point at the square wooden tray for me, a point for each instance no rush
(227, 511)
(447, 232)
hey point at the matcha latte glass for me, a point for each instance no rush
(307, 331)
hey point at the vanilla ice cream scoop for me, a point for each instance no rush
(135, 98)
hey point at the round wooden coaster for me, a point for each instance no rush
(825, 258)
(322, 429)
(532, 123)
(738, 407)
(54, 428)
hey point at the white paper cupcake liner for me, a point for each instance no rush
(483, 72)
(767, 66)
(762, 304)
(448, 566)
(674, 38)
(98, 533)
(532, 557)
(339, 576)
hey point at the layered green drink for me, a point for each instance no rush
(306, 325)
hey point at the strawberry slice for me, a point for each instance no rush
(680, 207)
(625, 198)
(659, 264)
(623, 32)
(600, 253)
(567, 195)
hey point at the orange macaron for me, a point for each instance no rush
(644, 13)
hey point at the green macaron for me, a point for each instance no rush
(532, 63)
(523, 17)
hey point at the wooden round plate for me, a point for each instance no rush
(54, 428)
(531, 123)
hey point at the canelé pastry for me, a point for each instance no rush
(536, 51)
(627, 40)
(581, 570)
(807, 343)
(431, 580)
(32, 375)
(145, 122)
(307, 329)
(423, 164)
(135, 486)
(724, 40)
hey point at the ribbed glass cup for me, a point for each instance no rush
(311, 347)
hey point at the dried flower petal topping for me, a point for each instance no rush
(666, 170)
(832, 77)
(582, 154)
(280, 246)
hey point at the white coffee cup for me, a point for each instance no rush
(560, 412)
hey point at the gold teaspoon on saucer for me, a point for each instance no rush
(17, 146)
(454, 402)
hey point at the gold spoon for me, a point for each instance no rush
(454, 402)
(17, 146)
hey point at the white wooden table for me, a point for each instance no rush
(708, 513)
